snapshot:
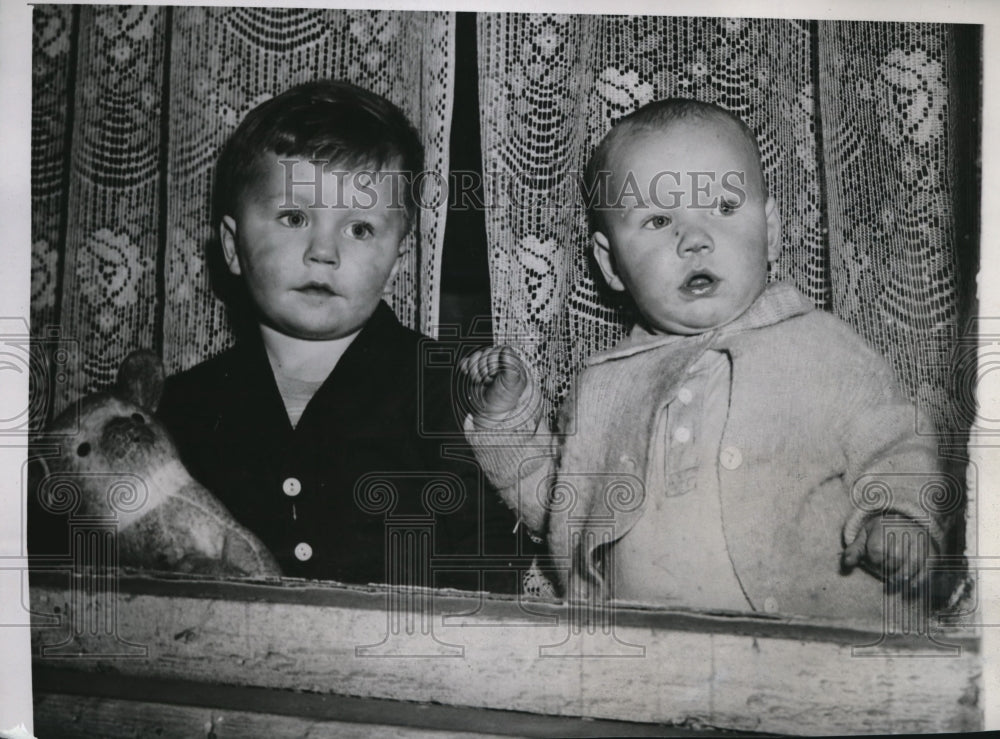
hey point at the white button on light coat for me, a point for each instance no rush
(730, 458)
(685, 395)
(770, 605)
(628, 463)
(291, 486)
(303, 552)
(682, 434)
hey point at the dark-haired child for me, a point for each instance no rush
(319, 430)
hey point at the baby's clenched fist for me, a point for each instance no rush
(892, 547)
(497, 380)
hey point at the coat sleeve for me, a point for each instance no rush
(519, 460)
(891, 466)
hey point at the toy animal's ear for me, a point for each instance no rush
(140, 379)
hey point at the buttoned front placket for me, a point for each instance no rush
(677, 551)
(292, 487)
(299, 493)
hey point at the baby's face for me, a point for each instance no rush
(693, 234)
(315, 257)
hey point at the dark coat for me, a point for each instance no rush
(376, 424)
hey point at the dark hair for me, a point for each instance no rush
(331, 120)
(658, 114)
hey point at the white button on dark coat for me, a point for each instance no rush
(730, 458)
(682, 435)
(291, 486)
(685, 395)
(770, 605)
(303, 552)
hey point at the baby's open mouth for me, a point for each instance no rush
(700, 283)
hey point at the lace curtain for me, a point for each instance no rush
(854, 124)
(131, 105)
(855, 121)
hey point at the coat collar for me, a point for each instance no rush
(779, 301)
(366, 364)
(380, 328)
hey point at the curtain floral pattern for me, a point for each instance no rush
(131, 105)
(853, 121)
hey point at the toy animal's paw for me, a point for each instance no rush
(245, 553)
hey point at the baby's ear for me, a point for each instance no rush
(227, 236)
(773, 229)
(606, 261)
(140, 379)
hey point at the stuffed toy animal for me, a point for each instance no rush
(115, 460)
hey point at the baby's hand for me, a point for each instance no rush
(900, 562)
(497, 378)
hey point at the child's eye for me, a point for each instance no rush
(360, 230)
(728, 207)
(293, 219)
(656, 222)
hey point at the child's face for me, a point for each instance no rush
(314, 272)
(692, 251)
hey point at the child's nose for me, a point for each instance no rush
(323, 247)
(694, 240)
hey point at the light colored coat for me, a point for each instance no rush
(816, 424)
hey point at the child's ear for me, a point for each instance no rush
(227, 235)
(606, 261)
(773, 229)
(394, 271)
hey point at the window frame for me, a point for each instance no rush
(743, 672)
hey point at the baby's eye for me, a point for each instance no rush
(360, 230)
(293, 219)
(656, 222)
(728, 207)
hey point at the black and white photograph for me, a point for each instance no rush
(533, 370)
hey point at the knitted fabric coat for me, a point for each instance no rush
(817, 439)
